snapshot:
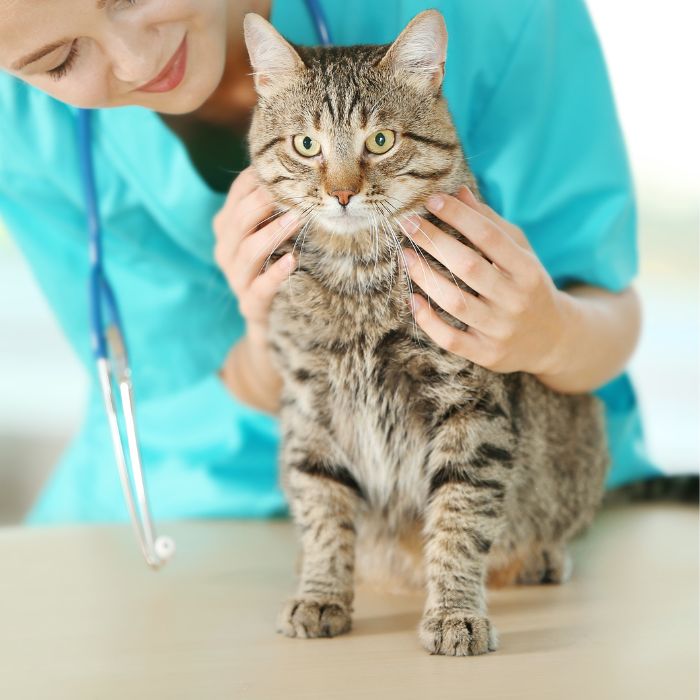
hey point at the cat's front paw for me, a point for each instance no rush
(457, 633)
(308, 618)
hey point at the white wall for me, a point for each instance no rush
(652, 55)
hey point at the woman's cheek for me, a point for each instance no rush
(89, 90)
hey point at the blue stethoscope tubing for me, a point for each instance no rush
(113, 370)
(109, 346)
(319, 19)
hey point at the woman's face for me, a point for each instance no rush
(166, 55)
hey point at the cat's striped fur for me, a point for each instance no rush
(437, 471)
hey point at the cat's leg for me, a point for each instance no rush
(324, 500)
(463, 517)
(546, 564)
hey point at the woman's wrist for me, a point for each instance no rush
(597, 334)
(563, 324)
(249, 373)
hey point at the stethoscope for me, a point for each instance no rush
(110, 353)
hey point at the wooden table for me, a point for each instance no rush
(81, 617)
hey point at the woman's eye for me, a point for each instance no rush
(60, 71)
(380, 141)
(306, 146)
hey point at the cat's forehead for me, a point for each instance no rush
(340, 87)
(339, 64)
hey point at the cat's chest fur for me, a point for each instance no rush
(353, 364)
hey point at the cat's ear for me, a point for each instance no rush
(420, 50)
(273, 58)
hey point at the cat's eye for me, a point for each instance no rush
(306, 146)
(380, 141)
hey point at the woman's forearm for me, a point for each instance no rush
(599, 333)
(250, 376)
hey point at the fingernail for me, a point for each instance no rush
(289, 262)
(435, 202)
(411, 223)
(410, 256)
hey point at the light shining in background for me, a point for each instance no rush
(651, 55)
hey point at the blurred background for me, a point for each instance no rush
(650, 49)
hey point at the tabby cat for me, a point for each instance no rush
(438, 471)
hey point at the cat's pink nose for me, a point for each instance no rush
(343, 196)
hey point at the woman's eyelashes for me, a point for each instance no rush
(61, 71)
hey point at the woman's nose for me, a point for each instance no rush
(134, 67)
(135, 54)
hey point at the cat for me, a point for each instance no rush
(437, 471)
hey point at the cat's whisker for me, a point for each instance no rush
(272, 216)
(305, 230)
(402, 260)
(454, 279)
(374, 233)
(312, 214)
(387, 230)
(375, 223)
(302, 234)
(278, 239)
(421, 254)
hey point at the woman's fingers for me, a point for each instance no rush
(463, 262)
(467, 196)
(461, 304)
(242, 186)
(489, 238)
(255, 305)
(252, 211)
(466, 344)
(257, 247)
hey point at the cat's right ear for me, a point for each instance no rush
(273, 58)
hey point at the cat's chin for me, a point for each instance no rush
(343, 224)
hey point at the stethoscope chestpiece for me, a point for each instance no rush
(164, 548)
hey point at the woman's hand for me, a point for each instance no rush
(247, 232)
(517, 321)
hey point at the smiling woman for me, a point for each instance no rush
(185, 248)
(165, 55)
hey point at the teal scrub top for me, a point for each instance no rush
(528, 89)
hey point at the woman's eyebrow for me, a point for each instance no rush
(45, 50)
(36, 55)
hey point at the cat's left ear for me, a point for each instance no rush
(273, 58)
(420, 51)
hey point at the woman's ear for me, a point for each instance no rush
(273, 58)
(420, 51)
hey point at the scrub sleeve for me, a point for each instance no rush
(527, 87)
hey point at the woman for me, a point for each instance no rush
(528, 90)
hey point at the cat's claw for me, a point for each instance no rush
(457, 633)
(309, 618)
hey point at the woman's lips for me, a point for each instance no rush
(173, 73)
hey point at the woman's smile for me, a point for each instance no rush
(173, 73)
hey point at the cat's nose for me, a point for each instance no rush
(343, 196)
